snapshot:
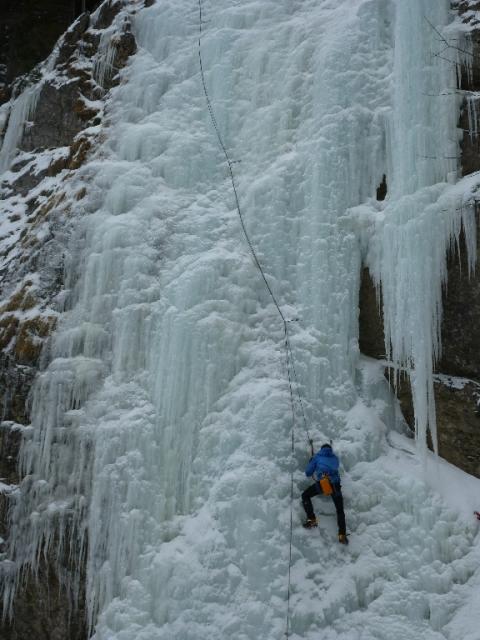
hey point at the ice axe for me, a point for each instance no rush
(311, 447)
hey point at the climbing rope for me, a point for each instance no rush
(289, 359)
(288, 349)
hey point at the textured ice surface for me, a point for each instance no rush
(162, 424)
(21, 110)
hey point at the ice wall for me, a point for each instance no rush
(160, 447)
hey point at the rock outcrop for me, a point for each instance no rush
(28, 31)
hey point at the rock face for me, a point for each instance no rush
(457, 402)
(37, 201)
(469, 81)
(28, 31)
(461, 318)
(371, 335)
(459, 421)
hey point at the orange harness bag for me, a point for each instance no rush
(326, 485)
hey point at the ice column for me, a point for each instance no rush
(107, 49)
(22, 109)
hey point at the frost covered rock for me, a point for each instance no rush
(60, 115)
(28, 31)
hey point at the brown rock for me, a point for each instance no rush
(470, 143)
(461, 317)
(69, 42)
(81, 193)
(44, 611)
(126, 47)
(30, 338)
(8, 331)
(462, 6)
(371, 335)
(107, 13)
(458, 419)
(10, 437)
(84, 111)
(78, 152)
(15, 384)
(56, 122)
(20, 301)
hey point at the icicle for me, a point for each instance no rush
(462, 53)
(408, 256)
(421, 215)
(472, 101)
(103, 69)
(21, 111)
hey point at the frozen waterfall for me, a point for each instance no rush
(159, 454)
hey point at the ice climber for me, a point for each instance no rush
(323, 466)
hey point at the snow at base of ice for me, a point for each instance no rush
(454, 382)
(160, 453)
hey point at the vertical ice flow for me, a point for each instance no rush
(23, 108)
(103, 68)
(159, 453)
(422, 216)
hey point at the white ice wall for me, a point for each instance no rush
(161, 427)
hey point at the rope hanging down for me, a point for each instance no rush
(290, 363)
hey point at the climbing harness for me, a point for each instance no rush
(289, 359)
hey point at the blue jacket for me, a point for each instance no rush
(324, 461)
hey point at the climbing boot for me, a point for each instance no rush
(342, 538)
(310, 523)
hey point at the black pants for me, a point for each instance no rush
(337, 498)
